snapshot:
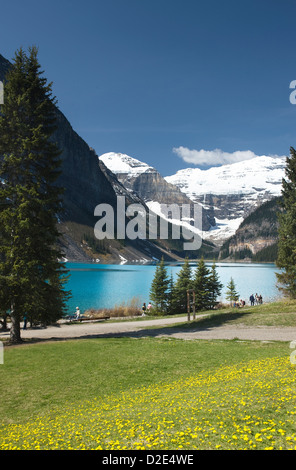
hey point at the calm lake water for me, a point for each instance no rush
(98, 286)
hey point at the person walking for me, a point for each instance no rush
(252, 299)
(143, 309)
(77, 314)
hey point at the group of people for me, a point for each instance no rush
(144, 308)
(256, 300)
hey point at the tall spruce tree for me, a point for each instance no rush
(159, 290)
(201, 285)
(171, 295)
(182, 284)
(31, 276)
(286, 259)
(215, 286)
(231, 293)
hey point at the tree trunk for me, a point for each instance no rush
(15, 330)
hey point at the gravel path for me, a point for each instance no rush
(143, 328)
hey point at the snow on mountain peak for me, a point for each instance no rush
(120, 163)
(257, 175)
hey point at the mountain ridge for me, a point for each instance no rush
(257, 236)
(228, 194)
(231, 192)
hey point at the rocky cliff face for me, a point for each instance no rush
(143, 179)
(146, 182)
(84, 182)
(258, 233)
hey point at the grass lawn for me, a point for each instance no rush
(277, 314)
(148, 394)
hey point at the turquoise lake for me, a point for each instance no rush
(99, 286)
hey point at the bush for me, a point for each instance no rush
(131, 309)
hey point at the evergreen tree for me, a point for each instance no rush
(183, 283)
(171, 308)
(286, 259)
(231, 293)
(31, 276)
(159, 289)
(201, 285)
(215, 287)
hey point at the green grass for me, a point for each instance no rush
(277, 314)
(46, 387)
(35, 378)
(153, 393)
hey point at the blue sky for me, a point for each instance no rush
(162, 80)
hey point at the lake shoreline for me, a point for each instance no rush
(99, 286)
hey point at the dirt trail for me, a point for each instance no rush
(155, 328)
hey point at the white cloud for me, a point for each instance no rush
(213, 157)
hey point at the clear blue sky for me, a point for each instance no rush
(143, 77)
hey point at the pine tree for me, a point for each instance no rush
(159, 289)
(183, 283)
(231, 293)
(286, 259)
(31, 276)
(215, 287)
(201, 285)
(171, 308)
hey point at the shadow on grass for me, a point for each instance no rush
(213, 320)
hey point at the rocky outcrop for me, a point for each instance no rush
(231, 206)
(85, 184)
(258, 232)
(147, 183)
(151, 186)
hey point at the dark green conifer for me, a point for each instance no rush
(286, 259)
(201, 286)
(171, 296)
(183, 283)
(160, 289)
(31, 276)
(231, 293)
(215, 286)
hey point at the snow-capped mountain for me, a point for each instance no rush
(227, 193)
(122, 164)
(257, 176)
(148, 184)
(232, 191)
(143, 179)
